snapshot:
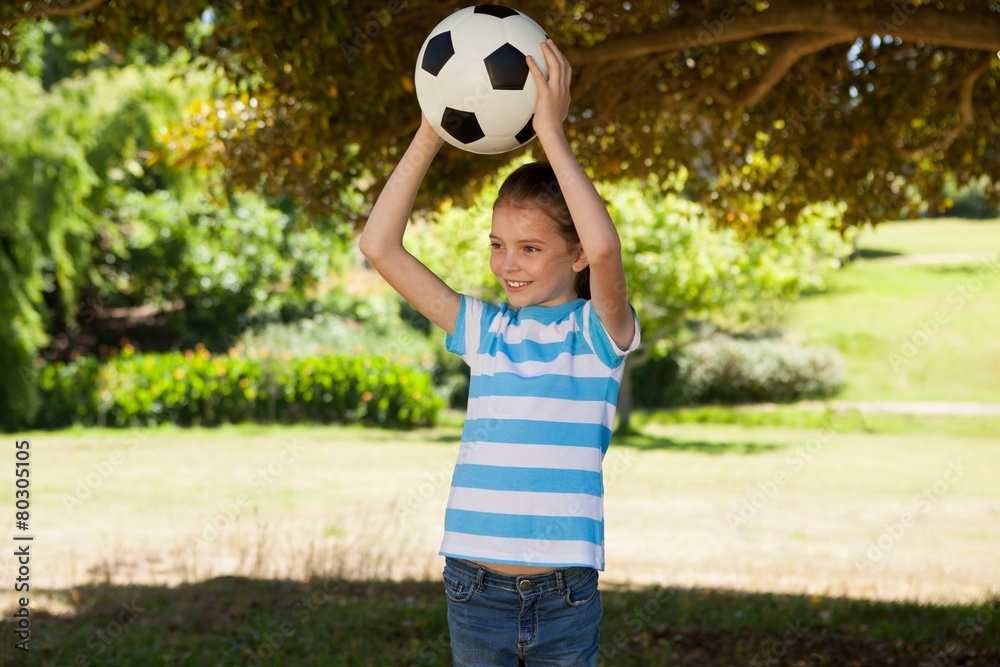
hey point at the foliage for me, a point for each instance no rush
(722, 369)
(971, 201)
(210, 264)
(46, 226)
(198, 388)
(795, 102)
(684, 272)
(375, 326)
(92, 217)
(681, 268)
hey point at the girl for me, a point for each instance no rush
(524, 525)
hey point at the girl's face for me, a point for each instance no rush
(533, 262)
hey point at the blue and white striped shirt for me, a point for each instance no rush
(528, 486)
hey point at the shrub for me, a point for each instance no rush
(197, 388)
(727, 370)
(380, 325)
(969, 201)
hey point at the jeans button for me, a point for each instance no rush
(524, 585)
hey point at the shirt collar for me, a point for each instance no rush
(549, 314)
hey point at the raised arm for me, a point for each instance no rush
(598, 235)
(382, 239)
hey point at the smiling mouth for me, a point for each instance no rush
(514, 284)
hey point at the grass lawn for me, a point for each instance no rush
(317, 546)
(935, 236)
(913, 332)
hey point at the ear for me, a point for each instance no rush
(581, 262)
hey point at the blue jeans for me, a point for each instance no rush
(539, 620)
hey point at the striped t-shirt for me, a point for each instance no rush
(527, 487)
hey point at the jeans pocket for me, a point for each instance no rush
(457, 588)
(583, 591)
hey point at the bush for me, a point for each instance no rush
(970, 201)
(197, 388)
(381, 325)
(728, 370)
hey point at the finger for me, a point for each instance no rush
(557, 60)
(552, 60)
(536, 72)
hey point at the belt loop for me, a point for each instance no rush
(560, 583)
(480, 574)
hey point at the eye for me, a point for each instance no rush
(530, 249)
(494, 245)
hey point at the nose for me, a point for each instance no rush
(509, 262)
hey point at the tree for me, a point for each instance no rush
(875, 103)
(89, 222)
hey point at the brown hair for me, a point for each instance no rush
(534, 185)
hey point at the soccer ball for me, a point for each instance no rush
(472, 81)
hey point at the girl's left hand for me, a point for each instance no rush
(552, 104)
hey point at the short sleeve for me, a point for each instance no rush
(473, 318)
(456, 342)
(607, 351)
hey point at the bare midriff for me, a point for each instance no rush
(514, 569)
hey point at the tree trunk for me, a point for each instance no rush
(625, 401)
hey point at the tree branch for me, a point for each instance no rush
(67, 9)
(966, 111)
(785, 52)
(970, 29)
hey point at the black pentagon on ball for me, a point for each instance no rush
(439, 50)
(527, 132)
(507, 68)
(495, 10)
(462, 125)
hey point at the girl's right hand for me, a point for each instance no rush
(552, 103)
(426, 131)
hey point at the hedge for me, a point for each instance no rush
(195, 388)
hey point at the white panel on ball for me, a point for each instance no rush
(504, 113)
(478, 36)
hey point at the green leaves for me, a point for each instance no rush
(681, 267)
(88, 210)
(198, 388)
(45, 227)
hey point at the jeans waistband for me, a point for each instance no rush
(557, 580)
